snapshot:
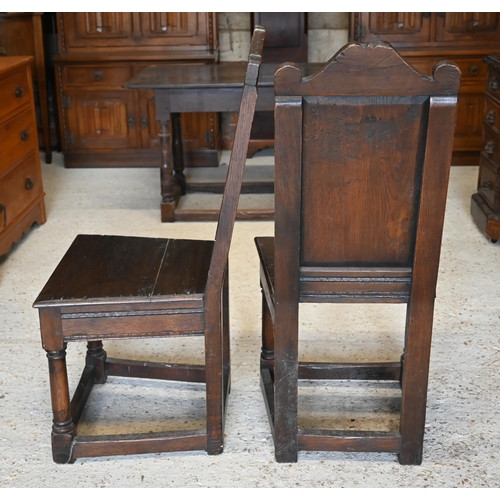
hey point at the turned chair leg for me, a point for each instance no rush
(63, 428)
(96, 356)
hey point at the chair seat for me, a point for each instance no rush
(116, 268)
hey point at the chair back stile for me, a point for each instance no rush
(234, 178)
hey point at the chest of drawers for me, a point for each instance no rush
(21, 191)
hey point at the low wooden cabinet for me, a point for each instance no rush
(485, 204)
(103, 123)
(21, 191)
(425, 38)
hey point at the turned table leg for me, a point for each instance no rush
(63, 428)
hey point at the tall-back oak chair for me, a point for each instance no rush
(362, 156)
(115, 287)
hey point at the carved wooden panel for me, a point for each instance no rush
(104, 120)
(96, 28)
(467, 26)
(394, 26)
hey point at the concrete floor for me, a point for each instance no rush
(462, 444)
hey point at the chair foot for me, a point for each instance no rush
(410, 458)
(62, 448)
(215, 448)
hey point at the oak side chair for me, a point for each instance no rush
(362, 156)
(115, 287)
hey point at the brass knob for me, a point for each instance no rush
(29, 183)
(144, 122)
(19, 92)
(474, 70)
(486, 185)
(493, 84)
(489, 148)
(131, 121)
(491, 117)
(25, 135)
(98, 76)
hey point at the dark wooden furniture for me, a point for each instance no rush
(423, 39)
(21, 35)
(362, 158)
(180, 89)
(21, 191)
(485, 204)
(286, 40)
(104, 124)
(113, 287)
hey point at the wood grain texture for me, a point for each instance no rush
(118, 287)
(362, 157)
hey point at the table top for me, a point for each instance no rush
(208, 75)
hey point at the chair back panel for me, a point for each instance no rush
(352, 148)
(361, 181)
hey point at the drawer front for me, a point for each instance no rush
(19, 188)
(17, 137)
(491, 146)
(15, 92)
(492, 114)
(97, 75)
(472, 70)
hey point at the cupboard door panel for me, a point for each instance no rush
(97, 29)
(468, 130)
(100, 120)
(394, 27)
(468, 26)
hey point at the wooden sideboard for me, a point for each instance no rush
(485, 204)
(21, 191)
(104, 124)
(423, 39)
(21, 34)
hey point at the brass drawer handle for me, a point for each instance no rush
(98, 76)
(489, 148)
(493, 85)
(19, 92)
(25, 135)
(474, 70)
(29, 183)
(491, 117)
(4, 210)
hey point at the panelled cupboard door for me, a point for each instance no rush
(95, 29)
(122, 29)
(174, 28)
(468, 26)
(100, 120)
(394, 27)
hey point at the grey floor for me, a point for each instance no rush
(462, 444)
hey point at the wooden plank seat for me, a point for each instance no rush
(362, 156)
(122, 287)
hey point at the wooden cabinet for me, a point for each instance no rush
(425, 38)
(485, 204)
(105, 124)
(21, 34)
(21, 191)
